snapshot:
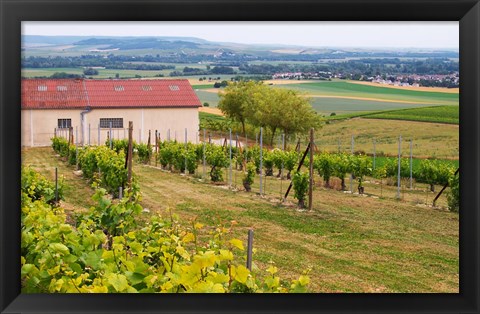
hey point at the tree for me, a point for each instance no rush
(297, 115)
(263, 106)
(235, 99)
(90, 71)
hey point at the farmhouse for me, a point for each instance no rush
(93, 108)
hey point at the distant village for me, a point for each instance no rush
(409, 80)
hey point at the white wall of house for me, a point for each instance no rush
(38, 125)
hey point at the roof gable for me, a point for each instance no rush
(79, 93)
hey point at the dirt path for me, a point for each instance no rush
(214, 111)
(366, 98)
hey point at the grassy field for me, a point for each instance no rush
(328, 105)
(437, 140)
(211, 98)
(441, 114)
(351, 243)
(429, 139)
(347, 89)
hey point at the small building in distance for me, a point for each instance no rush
(92, 107)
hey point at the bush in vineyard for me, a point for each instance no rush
(120, 145)
(249, 176)
(162, 256)
(268, 160)
(60, 146)
(72, 154)
(291, 160)
(278, 156)
(105, 165)
(342, 166)
(144, 152)
(453, 196)
(216, 158)
(434, 172)
(300, 187)
(391, 168)
(361, 166)
(166, 155)
(253, 154)
(324, 164)
(37, 187)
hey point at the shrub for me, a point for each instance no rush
(278, 157)
(453, 196)
(216, 158)
(249, 176)
(324, 164)
(144, 152)
(300, 186)
(361, 166)
(291, 160)
(37, 187)
(268, 159)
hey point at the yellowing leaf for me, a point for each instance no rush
(304, 280)
(189, 237)
(237, 243)
(118, 282)
(182, 252)
(206, 259)
(54, 270)
(59, 247)
(166, 286)
(272, 270)
(198, 225)
(241, 274)
(226, 255)
(99, 289)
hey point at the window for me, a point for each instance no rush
(146, 87)
(174, 87)
(64, 123)
(116, 123)
(61, 88)
(42, 88)
(119, 88)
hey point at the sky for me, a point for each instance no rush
(444, 34)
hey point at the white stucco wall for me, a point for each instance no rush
(38, 125)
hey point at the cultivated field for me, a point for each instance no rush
(347, 89)
(351, 243)
(442, 114)
(429, 139)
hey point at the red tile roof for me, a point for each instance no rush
(79, 93)
(53, 94)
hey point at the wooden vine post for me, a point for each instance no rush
(156, 147)
(300, 164)
(129, 154)
(310, 186)
(149, 145)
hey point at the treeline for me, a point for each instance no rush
(111, 62)
(367, 67)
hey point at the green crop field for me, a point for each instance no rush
(326, 105)
(203, 86)
(346, 89)
(211, 98)
(440, 114)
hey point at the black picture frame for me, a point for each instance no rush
(13, 12)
